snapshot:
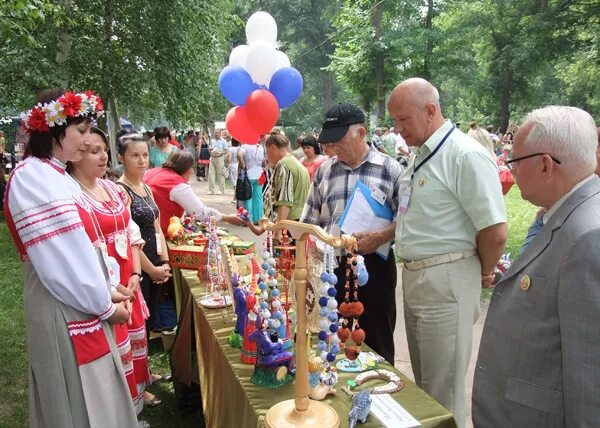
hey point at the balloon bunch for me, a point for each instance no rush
(258, 81)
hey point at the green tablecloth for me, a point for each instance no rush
(231, 400)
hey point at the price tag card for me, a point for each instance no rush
(390, 413)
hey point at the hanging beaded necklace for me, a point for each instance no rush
(328, 345)
(351, 309)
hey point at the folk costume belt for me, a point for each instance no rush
(437, 260)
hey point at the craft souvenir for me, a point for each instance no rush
(218, 296)
(175, 230)
(329, 342)
(242, 247)
(351, 309)
(273, 362)
(249, 346)
(361, 406)
(241, 312)
(321, 377)
(270, 306)
(243, 214)
(394, 383)
(365, 361)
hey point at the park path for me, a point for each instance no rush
(402, 359)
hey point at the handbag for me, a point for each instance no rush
(243, 187)
(225, 171)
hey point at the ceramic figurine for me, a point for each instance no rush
(249, 346)
(241, 311)
(273, 362)
(361, 406)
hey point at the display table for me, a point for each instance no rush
(231, 400)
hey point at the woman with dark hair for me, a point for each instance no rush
(75, 374)
(106, 218)
(313, 158)
(156, 272)
(162, 149)
(174, 195)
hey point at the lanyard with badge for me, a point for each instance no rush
(406, 186)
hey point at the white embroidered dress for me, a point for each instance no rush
(75, 373)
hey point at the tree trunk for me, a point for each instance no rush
(379, 63)
(113, 126)
(428, 41)
(327, 90)
(505, 99)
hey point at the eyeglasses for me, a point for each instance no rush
(509, 163)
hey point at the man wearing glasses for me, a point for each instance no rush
(539, 358)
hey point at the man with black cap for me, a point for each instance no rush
(344, 133)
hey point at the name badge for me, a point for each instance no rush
(159, 250)
(378, 195)
(121, 244)
(405, 192)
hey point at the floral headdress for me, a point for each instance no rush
(55, 113)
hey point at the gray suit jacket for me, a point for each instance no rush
(539, 358)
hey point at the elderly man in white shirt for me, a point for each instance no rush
(450, 232)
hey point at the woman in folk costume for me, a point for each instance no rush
(75, 373)
(107, 221)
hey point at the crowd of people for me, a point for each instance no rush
(87, 323)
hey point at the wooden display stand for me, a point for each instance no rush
(301, 411)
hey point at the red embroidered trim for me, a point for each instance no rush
(53, 234)
(104, 314)
(42, 212)
(88, 339)
(49, 217)
(53, 165)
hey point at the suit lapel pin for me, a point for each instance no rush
(525, 282)
(421, 181)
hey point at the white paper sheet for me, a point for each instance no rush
(361, 218)
(390, 413)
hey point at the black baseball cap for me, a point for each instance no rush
(337, 121)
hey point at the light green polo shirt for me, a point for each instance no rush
(290, 185)
(454, 195)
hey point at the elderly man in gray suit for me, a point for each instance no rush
(539, 358)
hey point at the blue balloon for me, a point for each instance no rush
(235, 84)
(286, 85)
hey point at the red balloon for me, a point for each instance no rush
(263, 110)
(238, 125)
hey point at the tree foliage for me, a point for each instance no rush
(154, 60)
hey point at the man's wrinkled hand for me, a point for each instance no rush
(367, 242)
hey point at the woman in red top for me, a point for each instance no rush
(174, 195)
(313, 158)
(108, 223)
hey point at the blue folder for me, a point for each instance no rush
(381, 211)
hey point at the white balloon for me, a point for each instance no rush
(261, 26)
(261, 62)
(282, 60)
(238, 55)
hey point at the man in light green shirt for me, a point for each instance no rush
(450, 232)
(291, 180)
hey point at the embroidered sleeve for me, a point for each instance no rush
(48, 224)
(135, 234)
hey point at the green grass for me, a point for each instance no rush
(520, 215)
(13, 357)
(13, 354)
